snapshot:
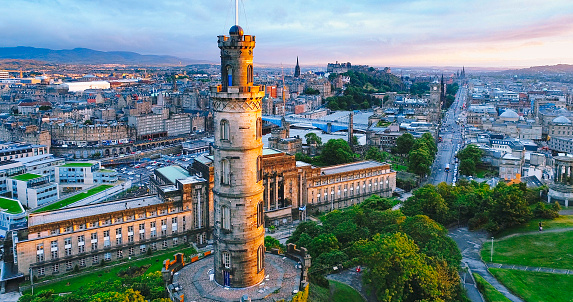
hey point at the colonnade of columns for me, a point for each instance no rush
(564, 173)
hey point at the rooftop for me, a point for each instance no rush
(83, 165)
(90, 210)
(173, 173)
(269, 151)
(26, 177)
(351, 167)
(11, 206)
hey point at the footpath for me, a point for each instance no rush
(470, 244)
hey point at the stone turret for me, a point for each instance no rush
(238, 191)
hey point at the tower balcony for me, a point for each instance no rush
(244, 41)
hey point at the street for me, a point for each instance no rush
(452, 134)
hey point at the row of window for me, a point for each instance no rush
(339, 178)
(323, 194)
(118, 219)
(107, 241)
(95, 259)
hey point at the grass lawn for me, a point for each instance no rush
(338, 292)
(25, 177)
(548, 224)
(536, 287)
(111, 272)
(398, 167)
(80, 165)
(343, 293)
(11, 206)
(65, 202)
(489, 292)
(544, 249)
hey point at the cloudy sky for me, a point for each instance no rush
(374, 32)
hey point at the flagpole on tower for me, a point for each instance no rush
(236, 12)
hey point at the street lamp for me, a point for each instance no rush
(491, 254)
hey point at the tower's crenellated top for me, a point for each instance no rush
(236, 59)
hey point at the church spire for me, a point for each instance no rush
(297, 69)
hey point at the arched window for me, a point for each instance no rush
(224, 129)
(225, 172)
(261, 258)
(225, 218)
(259, 128)
(229, 75)
(260, 214)
(226, 259)
(249, 74)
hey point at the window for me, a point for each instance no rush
(225, 172)
(68, 265)
(261, 258)
(225, 218)
(131, 251)
(142, 249)
(224, 131)
(41, 271)
(107, 256)
(175, 241)
(229, 74)
(259, 128)
(129, 238)
(82, 262)
(40, 257)
(56, 268)
(226, 259)
(249, 74)
(81, 248)
(259, 168)
(119, 254)
(260, 214)
(164, 244)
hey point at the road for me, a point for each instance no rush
(453, 135)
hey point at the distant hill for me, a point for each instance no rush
(559, 68)
(89, 56)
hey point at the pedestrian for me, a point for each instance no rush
(540, 227)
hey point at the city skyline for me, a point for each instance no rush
(379, 33)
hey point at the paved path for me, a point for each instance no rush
(531, 268)
(353, 279)
(537, 232)
(470, 244)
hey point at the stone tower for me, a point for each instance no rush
(238, 191)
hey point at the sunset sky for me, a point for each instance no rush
(488, 33)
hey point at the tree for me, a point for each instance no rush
(469, 157)
(311, 91)
(404, 143)
(429, 140)
(336, 151)
(427, 201)
(272, 243)
(419, 161)
(45, 108)
(397, 270)
(313, 138)
(374, 153)
(509, 207)
(323, 244)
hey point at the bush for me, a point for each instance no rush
(319, 280)
(542, 211)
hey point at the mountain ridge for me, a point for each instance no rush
(90, 56)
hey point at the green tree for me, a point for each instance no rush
(467, 167)
(419, 161)
(469, 157)
(45, 108)
(313, 138)
(427, 201)
(509, 207)
(374, 153)
(311, 91)
(310, 228)
(404, 143)
(323, 244)
(336, 151)
(397, 270)
(272, 243)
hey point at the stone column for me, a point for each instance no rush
(268, 194)
(276, 197)
(548, 198)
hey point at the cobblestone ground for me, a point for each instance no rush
(282, 278)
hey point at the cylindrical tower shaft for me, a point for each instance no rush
(238, 191)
